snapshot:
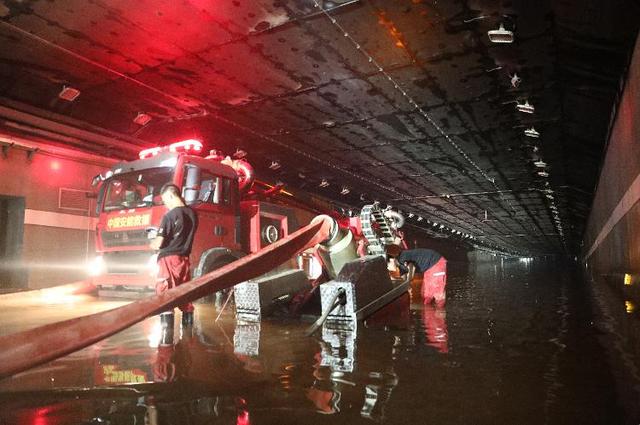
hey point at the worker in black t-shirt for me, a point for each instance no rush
(174, 241)
(431, 264)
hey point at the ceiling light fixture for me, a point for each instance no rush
(525, 107)
(540, 164)
(239, 153)
(515, 81)
(324, 183)
(531, 132)
(142, 119)
(275, 165)
(69, 94)
(501, 35)
(345, 190)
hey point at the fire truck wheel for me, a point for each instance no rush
(212, 260)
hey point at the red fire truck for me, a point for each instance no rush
(233, 219)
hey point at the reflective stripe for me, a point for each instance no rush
(53, 219)
(624, 205)
(439, 274)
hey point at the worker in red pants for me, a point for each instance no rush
(173, 242)
(433, 267)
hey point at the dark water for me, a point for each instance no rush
(516, 344)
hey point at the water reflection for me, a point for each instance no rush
(338, 350)
(378, 394)
(502, 363)
(246, 338)
(434, 320)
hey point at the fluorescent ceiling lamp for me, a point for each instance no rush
(501, 35)
(69, 93)
(525, 107)
(531, 132)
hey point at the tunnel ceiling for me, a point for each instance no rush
(406, 102)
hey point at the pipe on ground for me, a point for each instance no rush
(25, 350)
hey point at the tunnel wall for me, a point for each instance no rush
(58, 230)
(611, 244)
(612, 238)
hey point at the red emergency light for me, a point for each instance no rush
(186, 146)
(189, 145)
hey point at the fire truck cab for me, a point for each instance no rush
(130, 209)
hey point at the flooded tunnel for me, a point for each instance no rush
(313, 211)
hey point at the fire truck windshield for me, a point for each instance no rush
(136, 189)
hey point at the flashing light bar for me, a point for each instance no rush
(186, 146)
(189, 145)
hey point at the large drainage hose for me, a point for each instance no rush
(24, 350)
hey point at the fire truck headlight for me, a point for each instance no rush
(152, 265)
(97, 266)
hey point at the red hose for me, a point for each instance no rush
(24, 350)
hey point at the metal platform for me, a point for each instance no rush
(256, 298)
(368, 288)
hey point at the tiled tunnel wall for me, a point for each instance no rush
(611, 245)
(45, 203)
(612, 240)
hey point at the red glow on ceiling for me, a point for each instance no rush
(397, 36)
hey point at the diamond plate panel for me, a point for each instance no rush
(247, 298)
(255, 297)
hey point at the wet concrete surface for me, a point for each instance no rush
(515, 344)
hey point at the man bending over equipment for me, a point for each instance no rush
(431, 264)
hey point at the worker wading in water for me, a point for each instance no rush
(431, 264)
